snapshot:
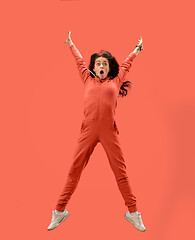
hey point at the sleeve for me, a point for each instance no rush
(124, 68)
(83, 70)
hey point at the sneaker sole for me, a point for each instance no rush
(59, 222)
(133, 224)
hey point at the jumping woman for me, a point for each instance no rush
(103, 82)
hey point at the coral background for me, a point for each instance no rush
(41, 112)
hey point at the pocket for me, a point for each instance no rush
(82, 126)
(115, 127)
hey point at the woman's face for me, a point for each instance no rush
(101, 67)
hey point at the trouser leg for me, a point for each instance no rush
(111, 144)
(85, 146)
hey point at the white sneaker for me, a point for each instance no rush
(136, 220)
(57, 218)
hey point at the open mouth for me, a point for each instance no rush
(101, 72)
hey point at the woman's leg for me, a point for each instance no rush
(110, 141)
(86, 144)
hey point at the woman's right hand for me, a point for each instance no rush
(68, 40)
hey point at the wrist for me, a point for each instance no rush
(70, 43)
(139, 46)
(136, 51)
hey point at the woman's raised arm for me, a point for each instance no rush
(83, 70)
(127, 63)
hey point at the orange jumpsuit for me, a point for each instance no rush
(99, 125)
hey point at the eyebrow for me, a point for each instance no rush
(100, 61)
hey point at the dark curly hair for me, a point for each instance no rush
(114, 69)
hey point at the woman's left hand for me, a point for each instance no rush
(140, 42)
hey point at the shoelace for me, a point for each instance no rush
(53, 216)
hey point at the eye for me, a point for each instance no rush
(105, 64)
(98, 64)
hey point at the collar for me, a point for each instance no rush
(102, 80)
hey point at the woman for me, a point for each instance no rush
(104, 81)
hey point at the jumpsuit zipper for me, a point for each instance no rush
(99, 108)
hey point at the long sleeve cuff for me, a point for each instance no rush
(132, 56)
(75, 52)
